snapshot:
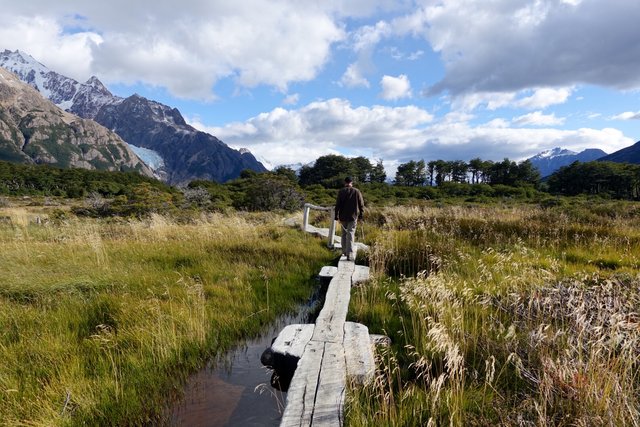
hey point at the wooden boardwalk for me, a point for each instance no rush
(332, 352)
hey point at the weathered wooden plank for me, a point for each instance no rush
(327, 271)
(331, 386)
(360, 274)
(336, 350)
(301, 396)
(329, 324)
(358, 351)
(292, 340)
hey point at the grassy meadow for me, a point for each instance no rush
(503, 314)
(102, 319)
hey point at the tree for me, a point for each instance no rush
(361, 167)
(475, 167)
(287, 173)
(459, 170)
(411, 174)
(329, 171)
(377, 173)
(440, 167)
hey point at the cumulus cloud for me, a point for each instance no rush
(394, 88)
(549, 44)
(353, 76)
(530, 99)
(45, 39)
(627, 115)
(538, 119)
(290, 136)
(186, 49)
(544, 97)
(398, 134)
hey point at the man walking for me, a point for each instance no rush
(349, 209)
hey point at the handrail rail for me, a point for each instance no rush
(332, 224)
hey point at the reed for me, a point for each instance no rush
(101, 319)
(520, 316)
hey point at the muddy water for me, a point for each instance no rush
(235, 389)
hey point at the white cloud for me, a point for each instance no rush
(490, 100)
(394, 88)
(353, 77)
(539, 98)
(45, 39)
(323, 127)
(628, 115)
(186, 49)
(538, 119)
(544, 97)
(398, 134)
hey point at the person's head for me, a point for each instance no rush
(348, 181)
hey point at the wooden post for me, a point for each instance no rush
(305, 216)
(332, 225)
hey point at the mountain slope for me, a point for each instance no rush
(550, 161)
(34, 130)
(186, 153)
(629, 154)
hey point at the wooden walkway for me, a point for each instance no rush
(332, 352)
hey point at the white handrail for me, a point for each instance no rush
(332, 223)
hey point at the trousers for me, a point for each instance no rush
(348, 237)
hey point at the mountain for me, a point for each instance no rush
(550, 161)
(34, 130)
(630, 154)
(182, 152)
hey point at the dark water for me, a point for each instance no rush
(235, 389)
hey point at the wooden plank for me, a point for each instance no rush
(292, 340)
(360, 274)
(301, 396)
(358, 350)
(327, 271)
(329, 324)
(328, 409)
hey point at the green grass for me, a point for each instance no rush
(503, 315)
(101, 320)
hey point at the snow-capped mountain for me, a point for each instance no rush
(549, 161)
(82, 99)
(34, 130)
(186, 153)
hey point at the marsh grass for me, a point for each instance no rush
(504, 315)
(101, 320)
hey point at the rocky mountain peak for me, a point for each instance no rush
(187, 153)
(34, 130)
(548, 161)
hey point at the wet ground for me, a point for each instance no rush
(235, 389)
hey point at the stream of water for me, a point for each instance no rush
(235, 390)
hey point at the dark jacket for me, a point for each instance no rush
(349, 204)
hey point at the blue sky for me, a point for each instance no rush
(395, 80)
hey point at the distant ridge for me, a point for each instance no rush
(186, 153)
(549, 161)
(629, 154)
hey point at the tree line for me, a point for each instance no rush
(617, 180)
(476, 171)
(122, 194)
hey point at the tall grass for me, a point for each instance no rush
(499, 315)
(101, 320)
